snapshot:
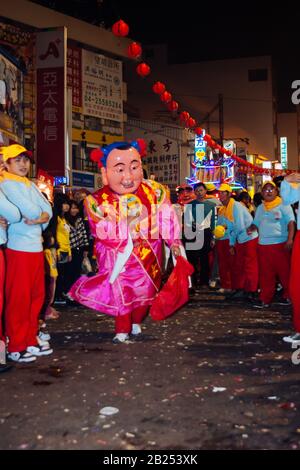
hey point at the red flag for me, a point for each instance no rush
(174, 293)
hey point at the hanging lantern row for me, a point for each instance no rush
(121, 29)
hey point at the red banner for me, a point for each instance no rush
(74, 75)
(51, 101)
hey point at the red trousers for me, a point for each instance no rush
(2, 277)
(246, 266)
(226, 264)
(294, 282)
(274, 263)
(24, 297)
(123, 323)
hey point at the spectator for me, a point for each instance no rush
(24, 286)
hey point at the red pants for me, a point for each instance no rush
(2, 277)
(294, 282)
(24, 297)
(123, 323)
(50, 286)
(274, 262)
(246, 266)
(226, 264)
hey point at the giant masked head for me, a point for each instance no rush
(121, 165)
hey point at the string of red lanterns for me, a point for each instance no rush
(121, 29)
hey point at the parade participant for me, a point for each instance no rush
(129, 218)
(24, 283)
(276, 228)
(236, 249)
(185, 194)
(290, 193)
(9, 214)
(200, 214)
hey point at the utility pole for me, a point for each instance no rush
(221, 118)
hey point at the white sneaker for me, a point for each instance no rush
(44, 336)
(39, 350)
(22, 356)
(136, 329)
(295, 338)
(120, 338)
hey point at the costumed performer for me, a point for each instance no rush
(129, 218)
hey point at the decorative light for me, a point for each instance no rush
(120, 28)
(134, 50)
(143, 69)
(158, 88)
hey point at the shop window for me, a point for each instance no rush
(81, 157)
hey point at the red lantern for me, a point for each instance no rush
(191, 122)
(134, 50)
(172, 106)
(143, 69)
(184, 116)
(198, 130)
(158, 88)
(120, 28)
(166, 97)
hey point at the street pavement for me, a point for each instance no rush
(215, 375)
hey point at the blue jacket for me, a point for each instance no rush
(30, 202)
(237, 230)
(273, 225)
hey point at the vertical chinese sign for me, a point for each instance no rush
(51, 100)
(163, 160)
(74, 76)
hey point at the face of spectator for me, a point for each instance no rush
(19, 165)
(200, 192)
(65, 207)
(79, 196)
(269, 192)
(224, 197)
(123, 172)
(74, 210)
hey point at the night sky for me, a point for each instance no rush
(198, 30)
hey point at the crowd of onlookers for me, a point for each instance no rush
(246, 244)
(240, 246)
